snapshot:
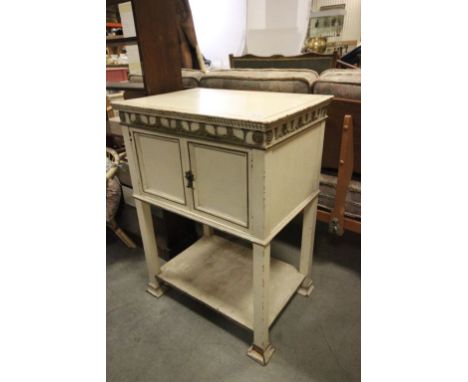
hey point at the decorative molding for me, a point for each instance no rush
(242, 134)
(243, 124)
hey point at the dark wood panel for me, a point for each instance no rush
(338, 108)
(156, 28)
(129, 94)
(115, 2)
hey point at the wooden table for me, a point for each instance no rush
(243, 162)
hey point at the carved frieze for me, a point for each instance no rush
(239, 133)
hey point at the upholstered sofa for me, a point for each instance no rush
(340, 186)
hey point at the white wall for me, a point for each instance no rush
(280, 26)
(256, 14)
(276, 26)
(220, 27)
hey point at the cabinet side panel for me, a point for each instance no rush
(292, 175)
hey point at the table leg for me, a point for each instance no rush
(145, 221)
(207, 230)
(307, 247)
(261, 350)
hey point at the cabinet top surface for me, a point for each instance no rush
(254, 106)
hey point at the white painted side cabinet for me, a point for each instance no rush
(243, 162)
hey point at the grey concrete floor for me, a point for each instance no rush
(177, 339)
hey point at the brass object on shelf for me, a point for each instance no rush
(317, 44)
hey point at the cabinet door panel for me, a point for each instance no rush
(160, 166)
(220, 185)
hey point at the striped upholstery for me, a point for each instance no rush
(342, 83)
(274, 80)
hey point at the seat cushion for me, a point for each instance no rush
(190, 78)
(342, 83)
(328, 192)
(273, 80)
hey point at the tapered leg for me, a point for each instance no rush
(307, 247)
(261, 350)
(145, 221)
(207, 230)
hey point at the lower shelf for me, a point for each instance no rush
(218, 272)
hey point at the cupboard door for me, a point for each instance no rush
(220, 186)
(160, 164)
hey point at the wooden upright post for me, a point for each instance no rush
(156, 28)
(345, 172)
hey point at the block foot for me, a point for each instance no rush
(259, 355)
(306, 288)
(155, 290)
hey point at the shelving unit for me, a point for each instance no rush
(118, 40)
(326, 23)
(113, 25)
(138, 86)
(161, 65)
(161, 72)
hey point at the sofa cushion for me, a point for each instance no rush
(273, 80)
(190, 78)
(328, 192)
(135, 78)
(342, 83)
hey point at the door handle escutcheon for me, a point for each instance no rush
(190, 178)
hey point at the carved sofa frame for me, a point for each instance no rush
(314, 61)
